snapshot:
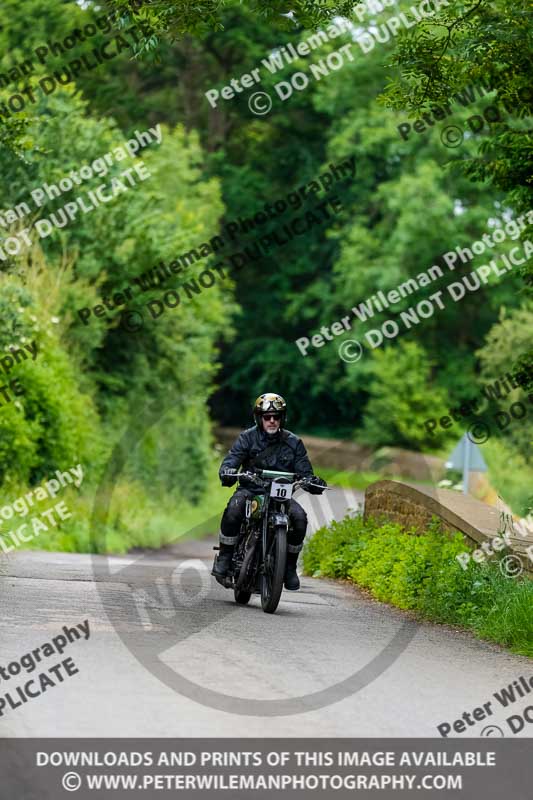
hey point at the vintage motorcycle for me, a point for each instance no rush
(260, 556)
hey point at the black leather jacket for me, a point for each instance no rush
(254, 449)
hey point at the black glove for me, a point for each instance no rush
(317, 486)
(228, 476)
(249, 484)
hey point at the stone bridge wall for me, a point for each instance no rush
(414, 506)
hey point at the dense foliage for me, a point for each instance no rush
(411, 201)
(421, 573)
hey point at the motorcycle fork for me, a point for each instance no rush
(265, 534)
(281, 513)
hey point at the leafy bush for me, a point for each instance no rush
(92, 383)
(53, 424)
(137, 516)
(421, 573)
(402, 397)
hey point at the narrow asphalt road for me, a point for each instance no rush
(171, 654)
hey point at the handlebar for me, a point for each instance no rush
(255, 478)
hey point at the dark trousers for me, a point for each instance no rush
(235, 512)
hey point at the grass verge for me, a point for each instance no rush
(421, 574)
(137, 518)
(348, 480)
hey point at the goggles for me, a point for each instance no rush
(269, 401)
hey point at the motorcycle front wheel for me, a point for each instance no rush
(241, 597)
(274, 571)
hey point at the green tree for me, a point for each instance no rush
(471, 42)
(53, 423)
(402, 212)
(507, 342)
(402, 396)
(173, 358)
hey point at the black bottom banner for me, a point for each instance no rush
(48, 769)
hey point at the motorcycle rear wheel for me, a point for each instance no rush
(274, 572)
(241, 588)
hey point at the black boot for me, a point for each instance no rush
(292, 582)
(222, 563)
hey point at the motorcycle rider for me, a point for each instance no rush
(267, 445)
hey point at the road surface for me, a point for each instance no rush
(168, 646)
